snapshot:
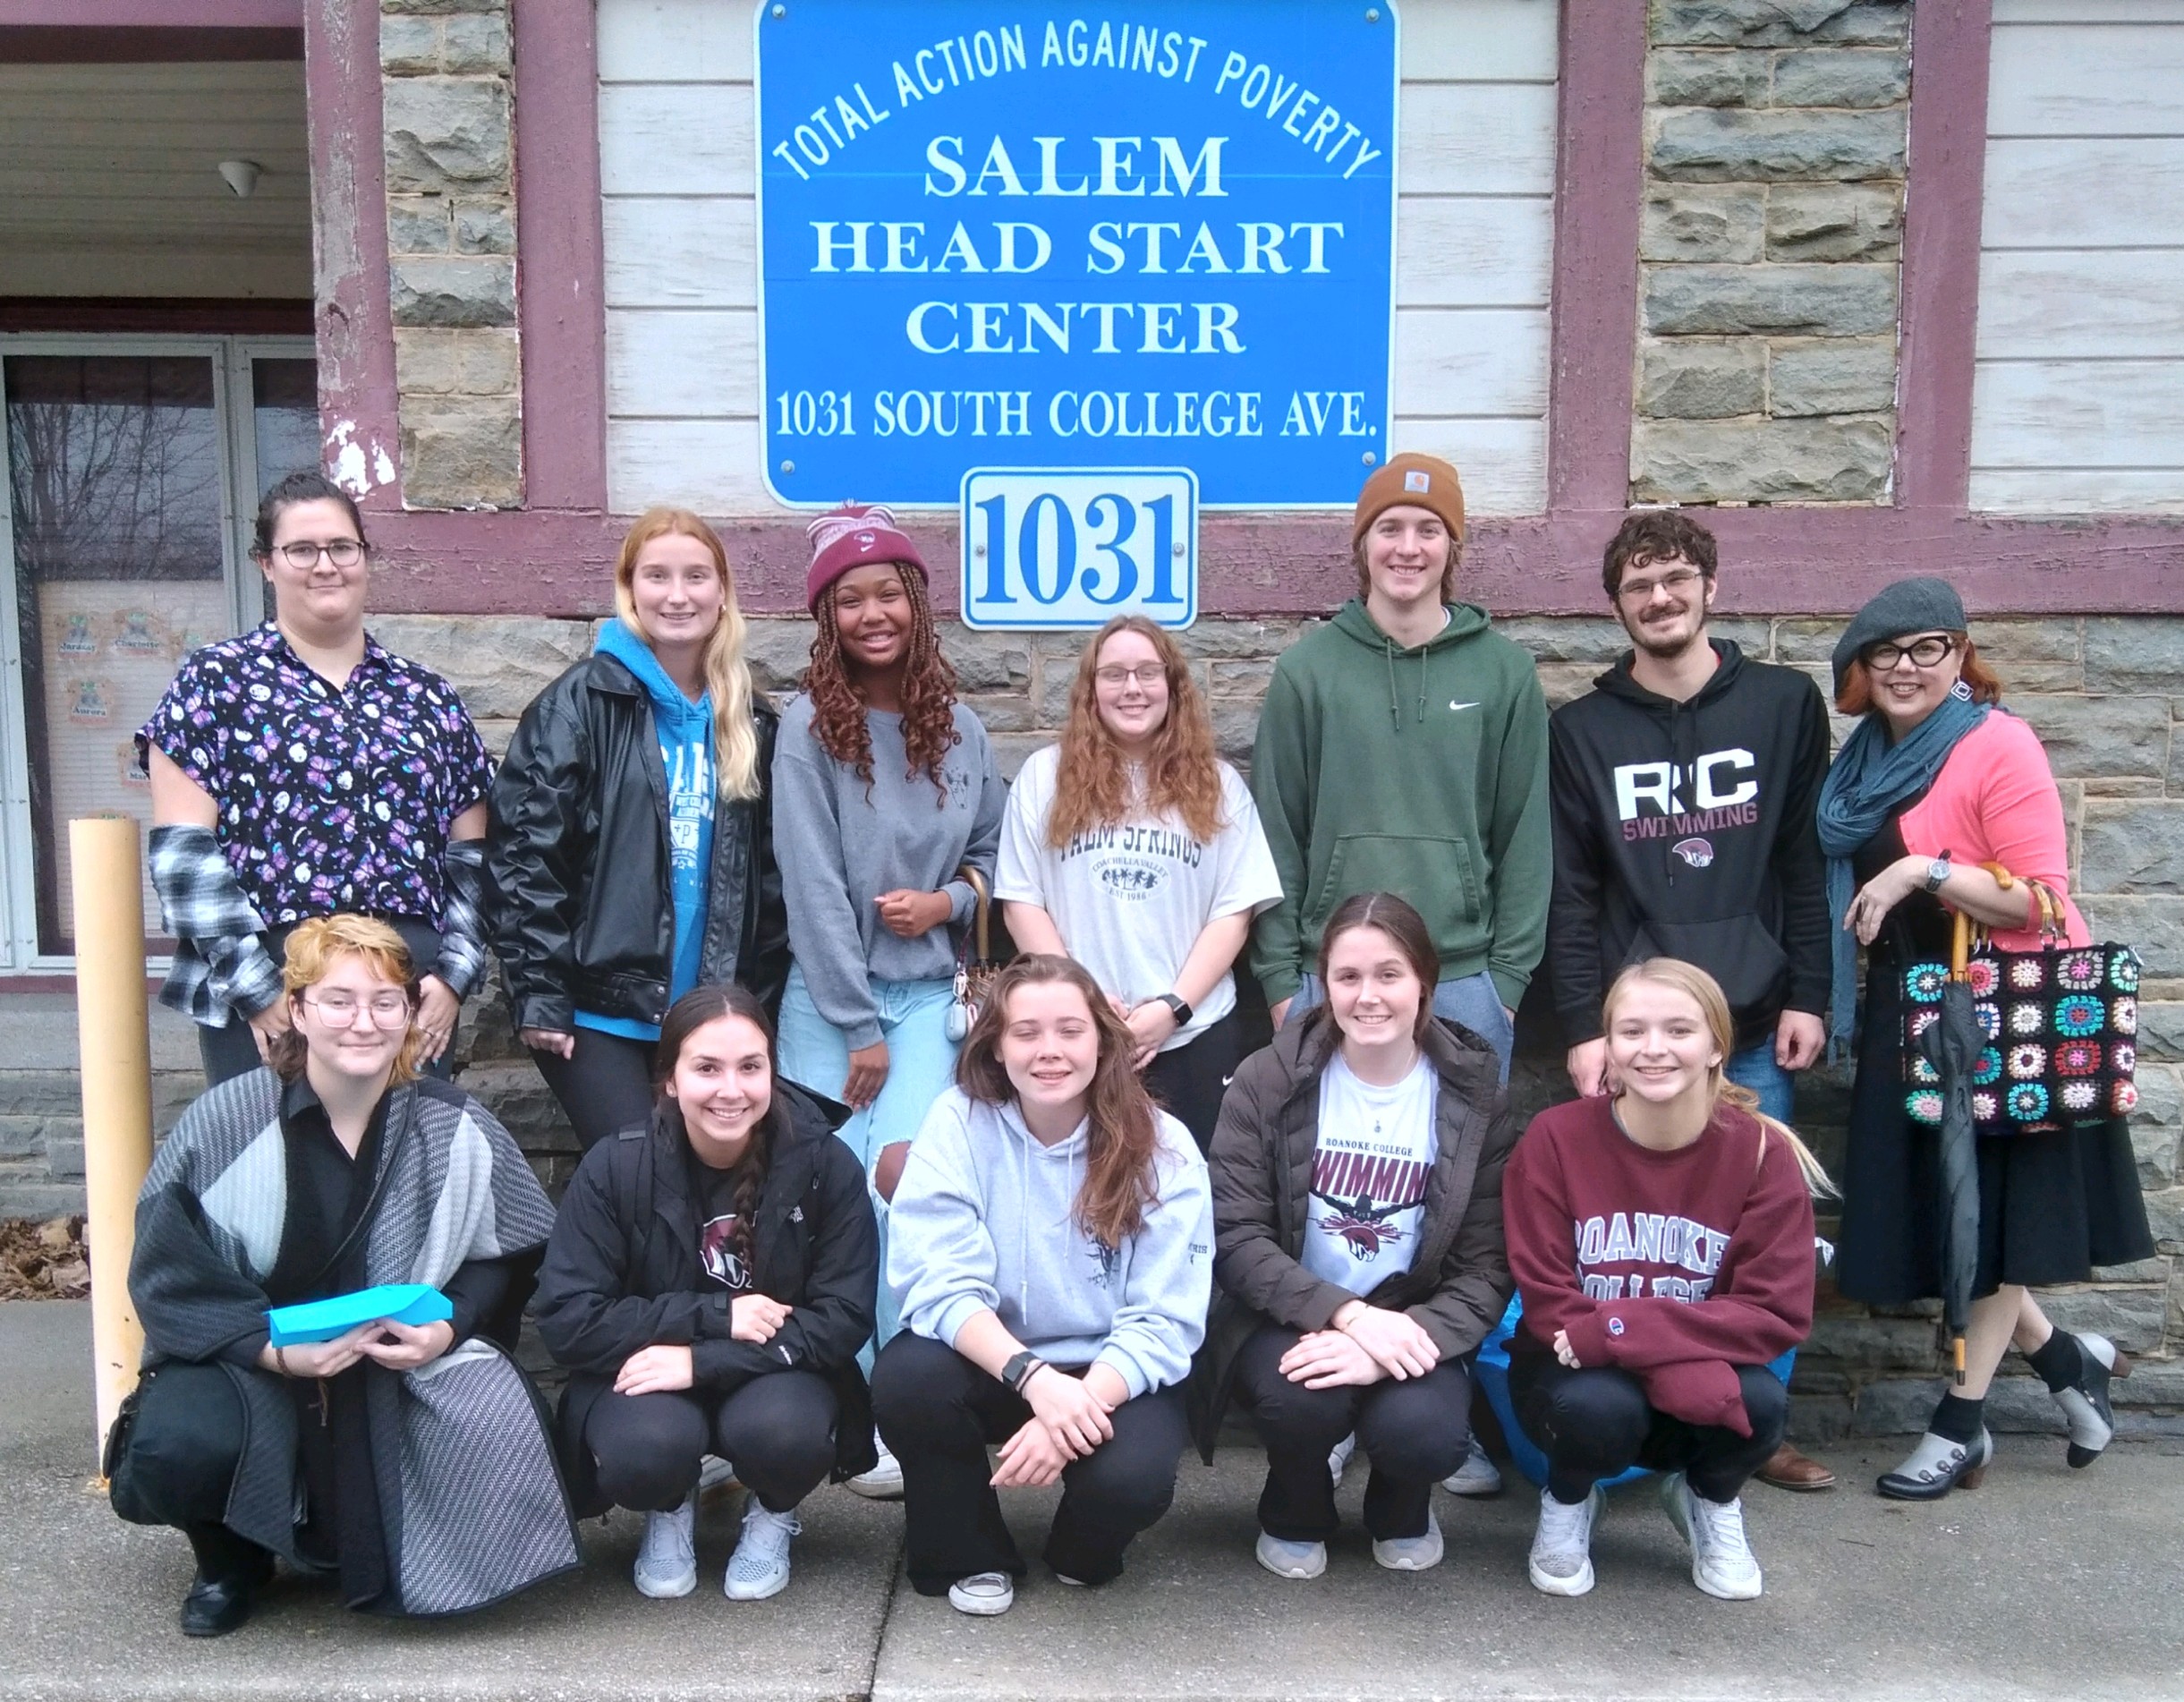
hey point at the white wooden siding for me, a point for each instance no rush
(1474, 238)
(2077, 401)
(109, 181)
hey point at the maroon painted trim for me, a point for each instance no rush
(1943, 194)
(562, 258)
(157, 14)
(357, 401)
(39, 44)
(1598, 175)
(165, 316)
(1776, 561)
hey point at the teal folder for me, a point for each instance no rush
(409, 1303)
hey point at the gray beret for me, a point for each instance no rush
(1908, 606)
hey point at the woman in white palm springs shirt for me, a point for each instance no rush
(1132, 848)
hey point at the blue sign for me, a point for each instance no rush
(1032, 236)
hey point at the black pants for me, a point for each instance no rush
(180, 1463)
(1191, 1080)
(778, 1431)
(937, 1411)
(604, 1086)
(1596, 1423)
(233, 1051)
(1413, 1433)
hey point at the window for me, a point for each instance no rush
(132, 470)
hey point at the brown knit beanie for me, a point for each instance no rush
(1414, 480)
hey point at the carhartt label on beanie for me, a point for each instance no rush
(852, 536)
(1411, 480)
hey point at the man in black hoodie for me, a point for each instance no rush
(1683, 789)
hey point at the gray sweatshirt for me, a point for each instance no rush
(983, 1219)
(839, 850)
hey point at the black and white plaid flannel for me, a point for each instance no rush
(219, 963)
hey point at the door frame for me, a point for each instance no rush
(234, 412)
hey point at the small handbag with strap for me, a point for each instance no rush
(2060, 1024)
(975, 963)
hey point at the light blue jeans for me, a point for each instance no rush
(1470, 1000)
(920, 1067)
(1755, 1067)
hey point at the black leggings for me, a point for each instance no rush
(937, 1411)
(1190, 1081)
(778, 1431)
(1596, 1423)
(604, 1087)
(1414, 1433)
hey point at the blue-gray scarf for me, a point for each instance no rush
(1870, 778)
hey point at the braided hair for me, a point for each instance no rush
(692, 1011)
(928, 693)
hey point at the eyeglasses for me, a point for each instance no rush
(1930, 651)
(340, 1010)
(343, 552)
(1641, 590)
(1146, 675)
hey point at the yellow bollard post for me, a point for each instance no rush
(114, 1044)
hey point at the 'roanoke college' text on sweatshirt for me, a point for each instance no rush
(1676, 1267)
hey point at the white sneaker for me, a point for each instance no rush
(1562, 1548)
(1722, 1561)
(1291, 1560)
(759, 1566)
(982, 1593)
(1338, 1458)
(884, 1482)
(1477, 1476)
(1411, 1554)
(668, 1558)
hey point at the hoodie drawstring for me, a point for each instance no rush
(1395, 701)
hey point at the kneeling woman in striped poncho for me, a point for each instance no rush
(410, 1464)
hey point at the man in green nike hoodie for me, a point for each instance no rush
(1403, 749)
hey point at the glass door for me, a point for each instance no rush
(133, 468)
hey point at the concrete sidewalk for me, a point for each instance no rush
(2045, 1584)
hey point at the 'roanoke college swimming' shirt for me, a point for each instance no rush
(1131, 900)
(1369, 1172)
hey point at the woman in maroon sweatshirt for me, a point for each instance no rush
(1661, 1238)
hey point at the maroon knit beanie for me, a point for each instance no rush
(855, 535)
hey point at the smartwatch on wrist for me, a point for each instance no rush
(1021, 1366)
(1174, 1001)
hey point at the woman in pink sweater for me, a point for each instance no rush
(1935, 781)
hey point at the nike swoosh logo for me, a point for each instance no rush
(1226, 1079)
(1455, 705)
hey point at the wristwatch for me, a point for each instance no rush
(1937, 871)
(1173, 1002)
(1018, 1370)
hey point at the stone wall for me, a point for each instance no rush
(1769, 250)
(2098, 690)
(448, 82)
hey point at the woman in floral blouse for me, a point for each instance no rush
(298, 770)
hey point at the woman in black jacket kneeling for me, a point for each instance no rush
(707, 1284)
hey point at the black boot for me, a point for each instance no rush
(229, 1573)
(2084, 1398)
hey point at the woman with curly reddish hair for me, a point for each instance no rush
(884, 788)
(1133, 848)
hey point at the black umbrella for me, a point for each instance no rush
(1952, 1043)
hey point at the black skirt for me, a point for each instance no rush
(2051, 1206)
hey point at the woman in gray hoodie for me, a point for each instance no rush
(1051, 1257)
